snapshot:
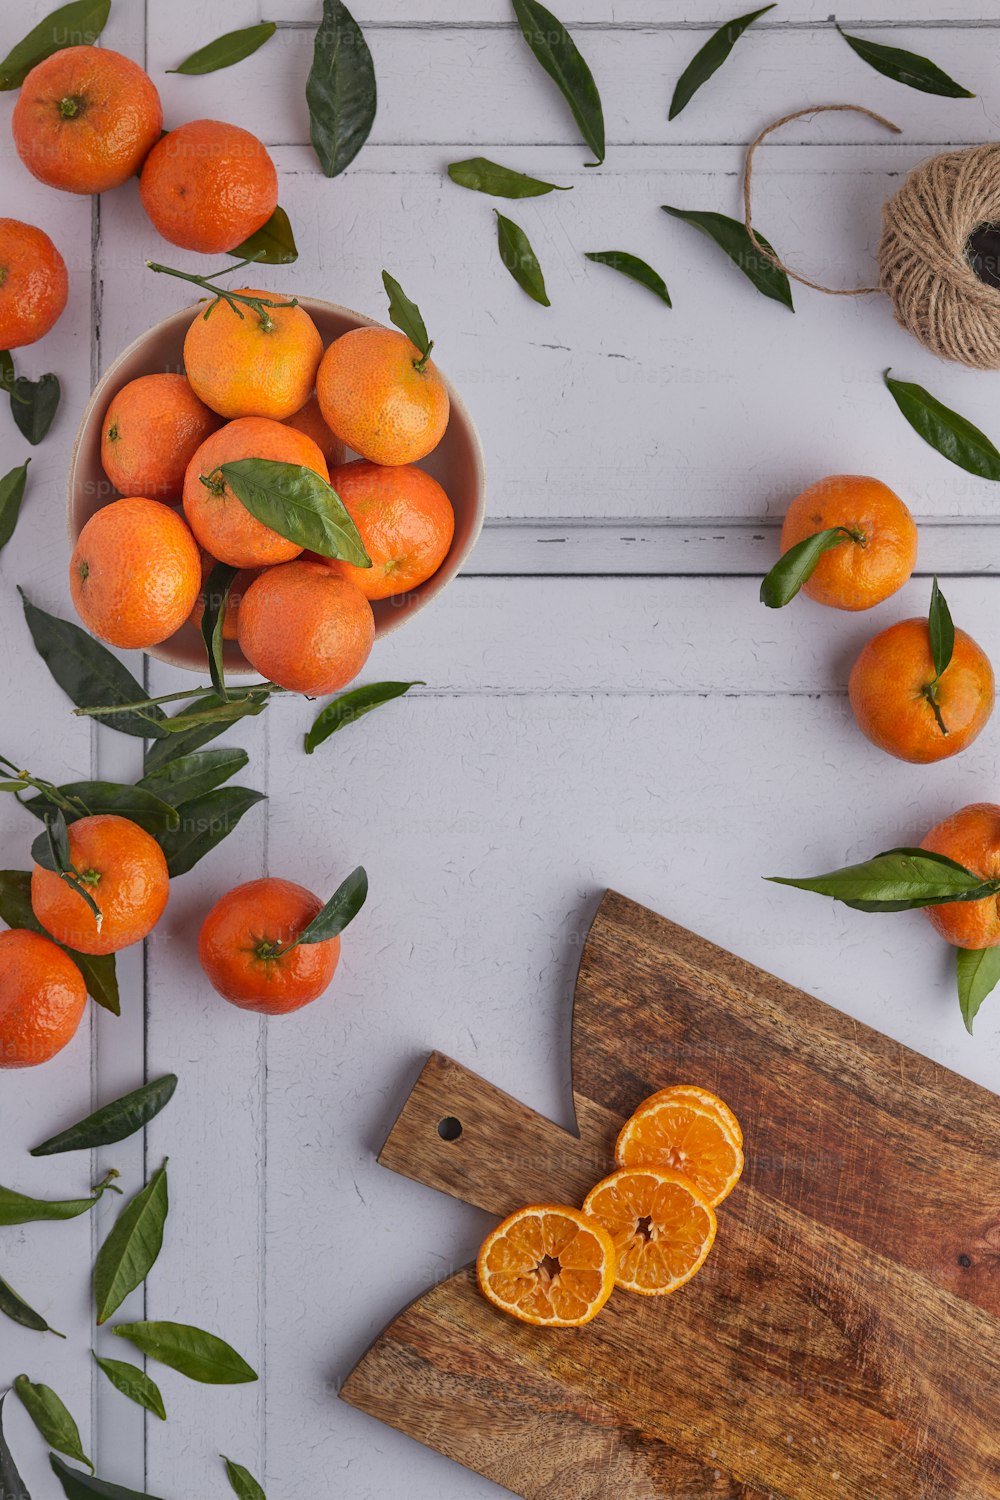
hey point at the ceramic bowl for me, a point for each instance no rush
(457, 464)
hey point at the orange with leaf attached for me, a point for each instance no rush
(256, 356)
(382, 397)
(970, 836)
(247, 947)
(879, 547)
(122, 868)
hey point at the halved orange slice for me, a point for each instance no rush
(701, 1096)
(662, 1227)
(684, 1137)
(549, 1265)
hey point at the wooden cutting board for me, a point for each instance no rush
(843, 1339)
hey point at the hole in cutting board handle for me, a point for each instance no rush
(449, 1129)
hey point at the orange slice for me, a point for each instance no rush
(548, 1265)
(661, 1225)
(684, 1137)
(701, 1096)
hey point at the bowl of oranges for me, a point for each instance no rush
(320, 458)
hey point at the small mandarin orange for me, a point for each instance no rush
(874, 560)
(241, 945)
(42, 999)
(218, 518)
(86, 119)
(405, 521)
(380, 397)
(260, 362)
(151, 431)
(33, 283)
(972, 837)
(310, 421)
(305, 629)
(123, 868)
(209, 186)
(135, 572)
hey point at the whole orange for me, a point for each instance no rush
(209, 186)
(123, 868)
(405, 520)
(240, 942)
(150, 433)
(220, 521)
(878, 557)
(262, 364)
(42, 999)
(310, 421)
(380, 397)
(135, 572)
(972, 837)
(306, 629)
(86, 119)
(33, 283)
(893, 693)
(238, 588)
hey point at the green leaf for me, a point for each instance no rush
(133, 1383)
(906, 67)
(12, 1486)
(942, 630)
(947, 432)
(115, 1121)
(796, 566)
(33, 405)
(406, 316)
(978, 971)
(134, 802)
(230, 48)
(52, 1419)
(520, 260)
(98, 970)
(77, 1486)
(216, 591)
(484, 176)
(709, 59)
(130, 1250)
(88, 673)
(341, 909)
(192, 775)
(732, 237)
(559, 55)
(634, 268)
(298, 504)
(244, 1484)
(271, 245)
(14, 1307)
(51, 850)
(341, 93)
(184, 736)
(15, 1208)
(6, 371)
(79, 24)
(898, 880)
(351, 706)
(205, 822)
(11, 494)
(194, 1353)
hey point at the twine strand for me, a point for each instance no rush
(799, 114)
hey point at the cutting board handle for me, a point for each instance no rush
(463, 1136)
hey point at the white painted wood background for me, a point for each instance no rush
(607, 703)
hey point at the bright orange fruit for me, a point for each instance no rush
(380, 397)
(661, 1225)
(683, 1136)
(151, 431)
(135, 572)
(972, 837)
(549, 1265)
(703, 1097)
(240, 942)
(125, 872)
(42, 999)
(305, 629)
(405, 521)
(310, 421)
(85, 119)
(260, 364)
(882, 551)
(33, 283)
(209, 186)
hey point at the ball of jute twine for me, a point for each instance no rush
(923, 266)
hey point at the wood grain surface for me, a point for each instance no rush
(841, 1340)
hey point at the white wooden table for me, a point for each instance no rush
(607, 703)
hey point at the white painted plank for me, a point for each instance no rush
(483, 87)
